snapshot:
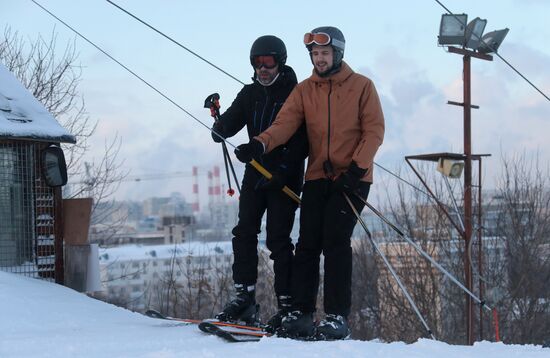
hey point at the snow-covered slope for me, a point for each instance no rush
(41, 319)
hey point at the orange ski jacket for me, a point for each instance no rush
(343, 117)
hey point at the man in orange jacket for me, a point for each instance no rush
(345, 127)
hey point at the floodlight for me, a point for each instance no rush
(474, 31)
(491, 41)
(450, 168)
(452, 29)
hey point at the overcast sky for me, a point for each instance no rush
(392, 42)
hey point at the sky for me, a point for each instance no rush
(42, 319)
(393, 42)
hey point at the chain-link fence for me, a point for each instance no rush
(27, 230)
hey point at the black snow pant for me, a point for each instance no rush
(326, 226)
(280, 219)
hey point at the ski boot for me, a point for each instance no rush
(333, 327)
(297, 324)
(274, 323)
(243, 308)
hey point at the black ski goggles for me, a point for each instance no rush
(319, 38)
(268, 62)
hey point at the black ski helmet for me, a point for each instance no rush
(337, 41)
(268, 45)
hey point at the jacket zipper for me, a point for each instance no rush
(328, 133)
(262, 117)
(263, 110)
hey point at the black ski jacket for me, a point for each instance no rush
(256, 107)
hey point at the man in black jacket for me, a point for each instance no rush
(256, 107)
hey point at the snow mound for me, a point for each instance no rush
(42, 319)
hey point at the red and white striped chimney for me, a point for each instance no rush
(195, 204)
(210, 188)
(217, 186)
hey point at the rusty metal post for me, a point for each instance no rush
(467, 106)
(480, 250)
(58, 237)
(468, 196)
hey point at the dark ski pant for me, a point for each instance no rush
(280, 219)
(326, 226)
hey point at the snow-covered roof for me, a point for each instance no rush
(149, 252)
(23, 117)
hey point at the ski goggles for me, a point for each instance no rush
(319, 38)
(268, 62)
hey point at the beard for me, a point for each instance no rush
(323, 68)
(265, 77)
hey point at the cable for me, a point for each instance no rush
(389, 266)
(233, 77)
(423, 253)
(253, 162)
(493, 50)
(133, 73)
(172, 101)
(403, 180)
(174, 41)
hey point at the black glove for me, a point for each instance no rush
(277, 182)
(348, 182)
(218, 128)
(251, 150)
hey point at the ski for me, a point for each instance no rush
(157, 314)
(231, 333)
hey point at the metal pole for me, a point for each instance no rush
(58, 236)
(480, 250)
(453, 200)
(434, 197)
(468, 196)
(388, 265)
(423, 253)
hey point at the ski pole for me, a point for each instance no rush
(213, 103)
(255, 164)
(424, 253)
(389, 266)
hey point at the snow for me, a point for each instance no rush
(22, 116)
(43, 319)
(146, 252)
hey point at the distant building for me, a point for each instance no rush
(150, 231)
(30, 210)
(136, 276)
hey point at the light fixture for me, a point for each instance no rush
(54, 168)
(474, 31)
(450, 168)
(490, 42)
(452, 29)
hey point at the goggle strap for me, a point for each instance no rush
(339, 44)
(331, 41)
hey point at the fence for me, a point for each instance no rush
(27, 212)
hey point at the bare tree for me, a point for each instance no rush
(523, 227)
(365, 314)
(516, 262)
(53, 78)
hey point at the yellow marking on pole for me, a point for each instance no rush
(268, 175)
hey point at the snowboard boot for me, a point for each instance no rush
(242, 308)
(297, 324)
(284, 305)
(333, 327)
